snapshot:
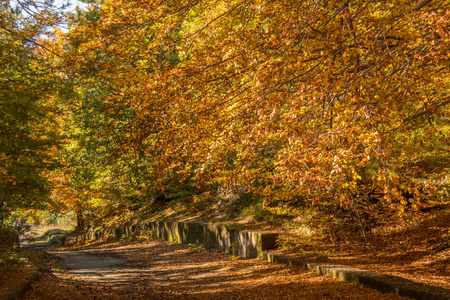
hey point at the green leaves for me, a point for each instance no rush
(28, 130)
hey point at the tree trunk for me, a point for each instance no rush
(80, 220)
(2, 213)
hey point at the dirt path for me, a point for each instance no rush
(162, 270)
(93, 267)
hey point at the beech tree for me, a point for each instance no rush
(336, 105)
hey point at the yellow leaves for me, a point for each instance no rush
(3, 171)
(275, 97)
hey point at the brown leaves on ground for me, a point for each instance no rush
(416, 248)
(164, 270)
(13, 277)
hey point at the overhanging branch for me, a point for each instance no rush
(421, 5)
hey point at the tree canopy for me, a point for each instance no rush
(28, 128)
(339, 106)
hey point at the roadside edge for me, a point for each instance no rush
(19, 291)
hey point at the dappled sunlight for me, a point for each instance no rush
(165, 270)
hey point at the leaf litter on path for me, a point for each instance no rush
(156, 269)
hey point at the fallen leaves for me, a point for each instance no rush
(164, 270)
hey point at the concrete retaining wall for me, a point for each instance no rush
(249, 244)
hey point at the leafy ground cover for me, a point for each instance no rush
(15, 277)
(16, 270)
(164, 270)
(417, 249)
(16, 264)
(11, 258)
(414, 246)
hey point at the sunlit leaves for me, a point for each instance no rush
(28, 129)
(315, 99)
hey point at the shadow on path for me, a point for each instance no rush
(163, 270)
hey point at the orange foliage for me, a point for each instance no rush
(321, 100)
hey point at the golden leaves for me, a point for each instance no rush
(306, 98)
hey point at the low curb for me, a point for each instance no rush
(20, 290)
(381, 282)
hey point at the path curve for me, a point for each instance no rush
(75, 260)
(91, 267)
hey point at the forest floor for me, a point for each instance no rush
(417, 249)
(415, 246)
(155, 269)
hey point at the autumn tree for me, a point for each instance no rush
(27, 129)
(334, 105)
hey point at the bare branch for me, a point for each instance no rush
(421, 4)
(29, 40)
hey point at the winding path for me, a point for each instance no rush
(163, 270)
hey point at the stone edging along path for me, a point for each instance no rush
(253, 244)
